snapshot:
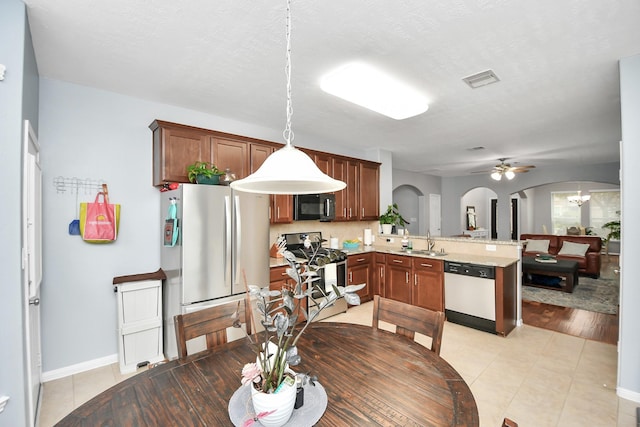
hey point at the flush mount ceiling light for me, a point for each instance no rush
(579, 200)
(370, 88)
(288, 170)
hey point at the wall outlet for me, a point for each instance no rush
(390, 239)
(491, 248)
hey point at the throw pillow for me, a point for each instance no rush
(537, 246)
(575, 249)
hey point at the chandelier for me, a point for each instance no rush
(288, 170)
(579, 200)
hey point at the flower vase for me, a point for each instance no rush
(386, 228)
(274, 409)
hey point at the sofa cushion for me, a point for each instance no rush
(534, 245)
(571, 248)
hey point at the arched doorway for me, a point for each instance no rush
(476, 204)
(411, 204)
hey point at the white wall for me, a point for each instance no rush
(89, 133)
(629, 354)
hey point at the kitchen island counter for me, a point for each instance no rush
(454, 257)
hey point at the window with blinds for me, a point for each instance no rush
(604, 207)
(563, 213)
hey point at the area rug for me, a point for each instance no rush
(599, 295)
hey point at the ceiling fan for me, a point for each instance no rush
(505, 169)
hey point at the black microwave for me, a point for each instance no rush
(314, 206)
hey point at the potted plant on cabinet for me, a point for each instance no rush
(390, 218)
(204, 173)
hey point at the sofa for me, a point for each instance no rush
(568, 248)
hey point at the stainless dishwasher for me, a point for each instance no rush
(470, 296)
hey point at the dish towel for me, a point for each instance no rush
(330, 276)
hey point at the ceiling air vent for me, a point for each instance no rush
(482, 78)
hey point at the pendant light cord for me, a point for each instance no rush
(288, 133)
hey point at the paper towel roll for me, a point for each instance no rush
(367, 236)
(333, 243)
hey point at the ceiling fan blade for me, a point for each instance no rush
(520, 169)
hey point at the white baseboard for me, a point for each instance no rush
(634, 396)
(80, 367)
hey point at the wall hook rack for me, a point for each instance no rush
(77, 185)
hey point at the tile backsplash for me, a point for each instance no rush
(342, 230)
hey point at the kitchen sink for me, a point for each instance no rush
(425, 252)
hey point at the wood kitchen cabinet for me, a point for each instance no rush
(360, 200)
(506, 299)
(378, 280)
(399, 278)
(177, 146)
(415, 280)
(281, 205)
(369, 193)
(324, 162)
(174, 148)
(353, 185)
(428, 283)
(360, 270)
(233, 155)
(339, 172)
(278, 279)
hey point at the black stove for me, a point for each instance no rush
(313, 249)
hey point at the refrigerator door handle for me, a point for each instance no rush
(227, 239)
(237, 238)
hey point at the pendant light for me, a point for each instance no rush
(288, 170)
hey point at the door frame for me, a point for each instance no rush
(32, 266)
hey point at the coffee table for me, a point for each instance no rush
(561, 268)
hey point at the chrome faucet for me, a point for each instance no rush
(430, 243)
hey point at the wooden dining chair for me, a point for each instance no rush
(509, 423)
(409, 319)
(211, 322)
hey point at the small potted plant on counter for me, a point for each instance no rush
(204, 173)
(390, 218)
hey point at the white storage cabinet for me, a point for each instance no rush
(139, 323)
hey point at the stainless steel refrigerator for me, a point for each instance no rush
(222, 237)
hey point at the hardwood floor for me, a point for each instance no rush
(581, 323)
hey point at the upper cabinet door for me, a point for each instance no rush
(258, 155)
(233, 155)
(323, 161)
(175, 148)
(369, 191)
(353, 187)
(339, 167)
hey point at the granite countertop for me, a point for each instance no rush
(454, 257)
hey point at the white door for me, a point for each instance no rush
(434, 215)
(32, 263)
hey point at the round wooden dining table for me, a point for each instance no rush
(371, 377)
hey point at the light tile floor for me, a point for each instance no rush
(534, 376)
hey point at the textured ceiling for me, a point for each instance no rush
(557, 100)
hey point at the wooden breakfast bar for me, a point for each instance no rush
(370, 377)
